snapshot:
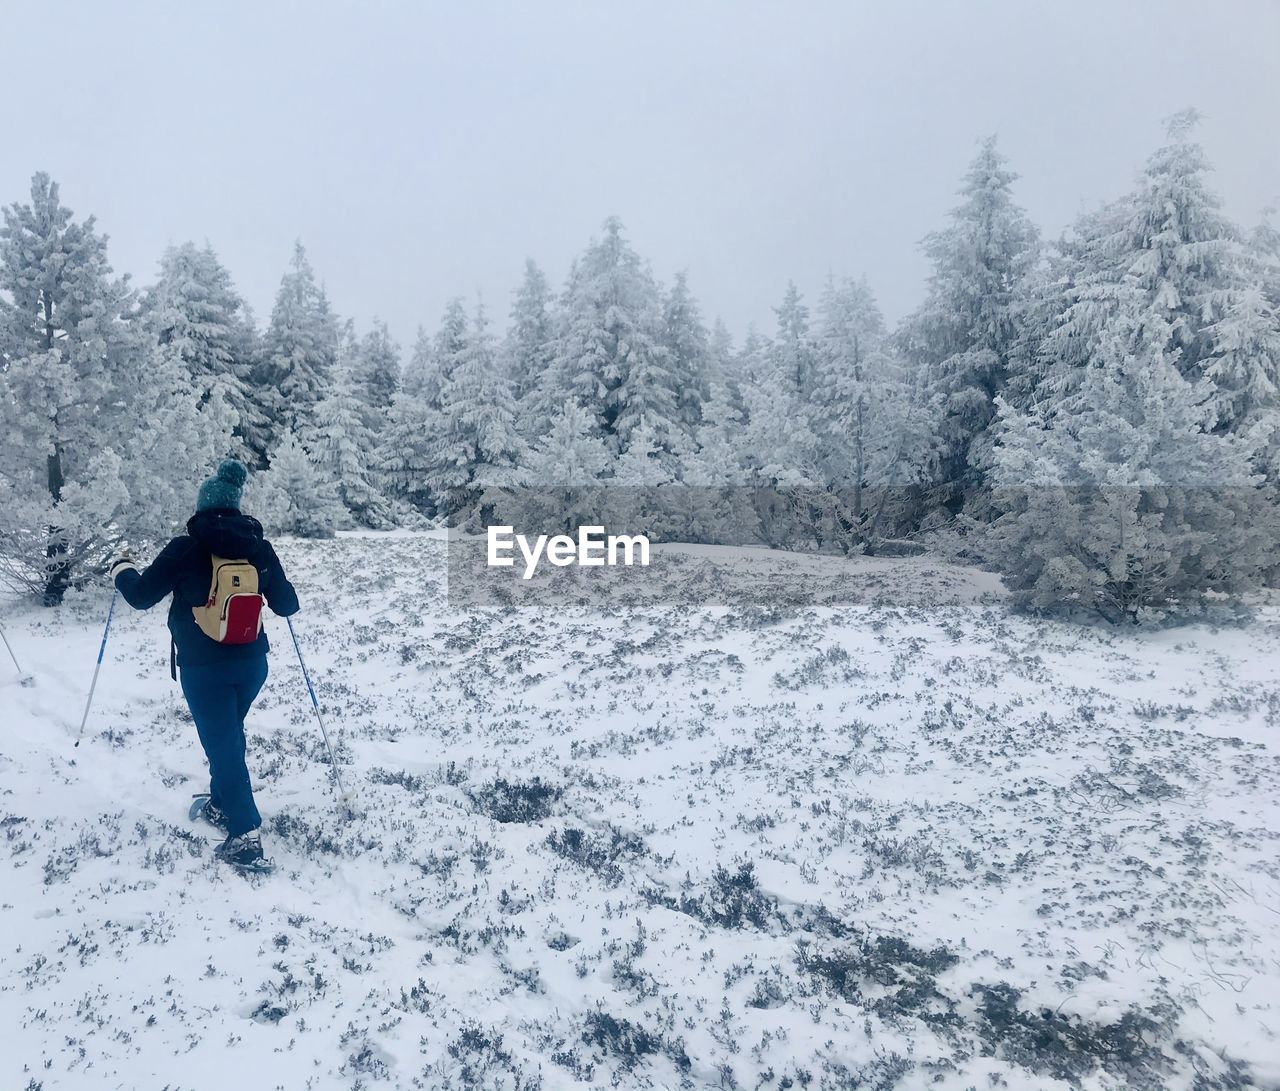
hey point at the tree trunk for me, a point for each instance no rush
(58, 565)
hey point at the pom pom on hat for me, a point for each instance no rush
(232, 471)
(222, 490)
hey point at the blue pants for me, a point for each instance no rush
(219, 696)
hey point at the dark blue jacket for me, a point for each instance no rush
(184, 569)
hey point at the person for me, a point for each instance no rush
(219, 681)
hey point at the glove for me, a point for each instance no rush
(122, 563)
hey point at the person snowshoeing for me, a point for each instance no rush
(218, 573)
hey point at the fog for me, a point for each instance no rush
(421, 153)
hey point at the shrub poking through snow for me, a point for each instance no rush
(886, 974)
(1069, 1048)
(512, 801)
(630, 1043)
(731, 899)
(599, 852)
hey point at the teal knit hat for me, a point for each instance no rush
(222, 490)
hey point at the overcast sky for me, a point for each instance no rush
(422, 151)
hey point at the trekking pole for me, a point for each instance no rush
(94, 684)
(23, 678)
(346, 796)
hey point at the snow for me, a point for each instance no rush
(1087, 814)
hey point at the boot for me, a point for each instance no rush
(244, 852)
(203, 806)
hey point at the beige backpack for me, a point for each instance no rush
(233, 614)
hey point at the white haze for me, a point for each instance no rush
(422, 152)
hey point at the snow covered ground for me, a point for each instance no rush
(716, 836)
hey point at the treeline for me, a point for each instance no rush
(1098, 418)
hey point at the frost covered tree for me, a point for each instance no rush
(447, 350)
(530, 342)
(100, 436)
(376, 370)
(404, 451)
(410, 458)
(562, 472)
(752, 362)
(791, 352)
(415, 378)
(635, 498)
(649, 393)
(1120, 498)
(1191, 261)
(873, 429)
(1165, 254)
(1153, 401)
(434, 356)
(1266, 249)
(642, 465)
(689, 354)
(714, 458)
(716, 507)
(965, 334)
(299, 347)
(341, 445)
(609, 354)
(723, 378)
(474, 443)
(571, 453)
(778, 453)
(776, 445)
(196, 317)
(293, 495)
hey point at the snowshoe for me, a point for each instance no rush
(202, 806)
(244, 853)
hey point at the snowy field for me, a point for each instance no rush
(718, 837)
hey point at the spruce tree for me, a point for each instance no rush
(642, 465)
(776, 445)
(1265, 242)
(299, 347)
(100, 436)
(714, 460)
(713, 503)
(404, 452)
(196, 317)
(411, 463)
(873, 431)
(609, 356)
(571, 452)
(530, 343)
(753, 361)
(723, 377)
(293, 496)
(474, 442)
(965, 336)
(451, 342)
(341, 446)
(1166, 251)
(376, 376)
(562, 473)
(791, 353)
(689, 355)
(414, 380)
(1123, 502)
